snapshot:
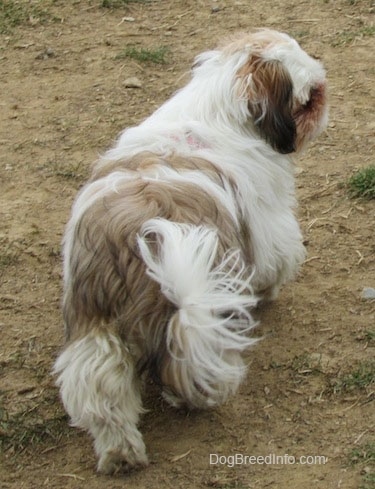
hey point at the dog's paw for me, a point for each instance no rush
(121, 460)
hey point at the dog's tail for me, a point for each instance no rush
(212, 296)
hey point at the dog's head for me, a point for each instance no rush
(276, 85)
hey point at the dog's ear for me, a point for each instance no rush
(270, 102)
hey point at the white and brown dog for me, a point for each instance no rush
(184, 226)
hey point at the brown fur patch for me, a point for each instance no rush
(269, 90)
(147, 160)
(108, 281)
(307, 116)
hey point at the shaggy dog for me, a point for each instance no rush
(184, 226)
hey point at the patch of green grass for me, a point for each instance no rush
(14, 13)
(143, 55)
(19, 431)
(362, 183)
(363, 376)
(364, 456)
(367, 336)
(370, 336)
(300, 363)
(368, 481)
(300, 35)
(8, 257)
(346, 37)
(305, 364)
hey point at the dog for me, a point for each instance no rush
(185, 225)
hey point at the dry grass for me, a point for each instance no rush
(27, 428)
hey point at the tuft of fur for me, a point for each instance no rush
(96, 367)
(206, 334)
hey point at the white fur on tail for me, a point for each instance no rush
(209, 330)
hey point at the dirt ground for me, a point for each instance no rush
(63, 101)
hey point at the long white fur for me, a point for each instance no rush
(97, 367)
(184, 268)
(202, 293)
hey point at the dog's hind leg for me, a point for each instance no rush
(100, 391)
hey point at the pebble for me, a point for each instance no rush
(133, 82)
(47, 53)
(368, 293)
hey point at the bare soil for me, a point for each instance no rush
(63, 101)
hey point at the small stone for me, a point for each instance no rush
(47, 53)
(368, 293)
(133, 82)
